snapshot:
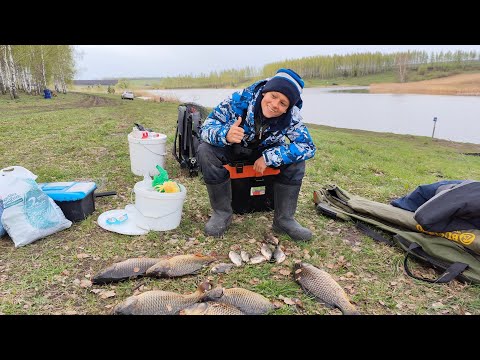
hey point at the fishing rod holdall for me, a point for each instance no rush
(454, 254)
(187, 136)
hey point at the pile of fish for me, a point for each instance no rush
(323, 287)
(162, 267)
(207, 300)
(204, 301)
(266, 254)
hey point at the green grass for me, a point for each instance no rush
(84, 137)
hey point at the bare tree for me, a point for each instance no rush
(401, 63)
(27, 80)
(10, 71)
(13, 71)
(43, 68)
(3, 84)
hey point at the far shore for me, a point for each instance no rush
(463, 84)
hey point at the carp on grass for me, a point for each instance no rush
(211, 308)
(179, 265)
(249, 302)
(128, 269)
(323, 287)
(159, 302)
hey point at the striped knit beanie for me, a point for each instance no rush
(287, 82)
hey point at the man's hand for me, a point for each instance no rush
(236, 133)
(259, 165)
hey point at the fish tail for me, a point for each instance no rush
(349, 309)
(353, 312)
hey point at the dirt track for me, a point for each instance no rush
(78, 100)
(463, 84)
(93, 100)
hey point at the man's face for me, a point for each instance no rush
(274, 104)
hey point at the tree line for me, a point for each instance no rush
(31, 68)
(335, 66)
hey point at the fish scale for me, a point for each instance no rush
(247, 301)
(211, 308)
(320, 284)
(159, 302)
(124, 270)
(179, 265)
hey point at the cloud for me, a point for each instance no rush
(106, 61)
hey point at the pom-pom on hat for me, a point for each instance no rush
(288, 82)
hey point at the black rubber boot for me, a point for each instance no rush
(221, 201)
(285, 201)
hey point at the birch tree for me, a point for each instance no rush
(10, 80)
(13, 71)
(401, 63)
(3, 87)
(43, 68)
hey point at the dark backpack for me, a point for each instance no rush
(447, 252)
(187, 136)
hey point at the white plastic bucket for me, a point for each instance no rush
(146, 154)
(158, 211)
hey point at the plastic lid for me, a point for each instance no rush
(127, 227)
(68, 191)
(160, 139)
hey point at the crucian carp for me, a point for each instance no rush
(320, 284)
(211, 308)
(158, 302)
(179, 265)
(249, 302)
(128, 269)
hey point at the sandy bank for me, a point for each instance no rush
(463, 84)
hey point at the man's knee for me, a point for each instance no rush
(205, 153)
(202, 149)
(292, 174)
(211, 159)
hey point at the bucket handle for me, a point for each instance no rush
(153, 152)
(159, 217)
(131, 202)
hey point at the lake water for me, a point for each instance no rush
(458, 117)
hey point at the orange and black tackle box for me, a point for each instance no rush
(251, 191)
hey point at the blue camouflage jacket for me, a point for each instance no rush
(277, 151)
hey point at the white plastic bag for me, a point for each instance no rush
(2, 230)
(28, 214)
(18, 171)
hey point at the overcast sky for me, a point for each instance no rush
(107, 61)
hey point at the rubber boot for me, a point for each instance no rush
(285, 201)
(221, 201)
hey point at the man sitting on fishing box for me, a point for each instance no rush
(253, 123)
